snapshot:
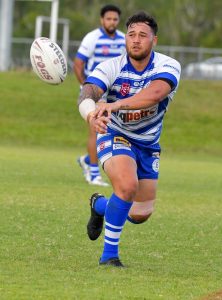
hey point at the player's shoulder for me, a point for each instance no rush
(164, 60)
(93, 35)
(117, 61)
(120, 34)
(114, 64)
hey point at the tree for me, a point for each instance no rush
(181, 22)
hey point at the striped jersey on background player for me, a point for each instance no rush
(97, 46)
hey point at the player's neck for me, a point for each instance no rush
(111, 35)
(139, 65)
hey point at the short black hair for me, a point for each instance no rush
(142, 17)
(109, 7)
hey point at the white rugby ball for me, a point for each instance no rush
(48, 61)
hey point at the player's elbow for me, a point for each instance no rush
(158, 96)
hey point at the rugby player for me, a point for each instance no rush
(139, 85)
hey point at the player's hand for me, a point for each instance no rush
(99, 124)
(105, 109)
(102, 115)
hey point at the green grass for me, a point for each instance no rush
(34, 113)
(44, 250)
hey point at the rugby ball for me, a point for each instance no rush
(48, 61)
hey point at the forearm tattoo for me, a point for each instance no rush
(90, 91)
(126, 106)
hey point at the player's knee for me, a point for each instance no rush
(128, 190)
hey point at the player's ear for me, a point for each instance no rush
(155, 40)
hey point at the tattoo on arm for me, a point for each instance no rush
(90, 91)
(126, 106)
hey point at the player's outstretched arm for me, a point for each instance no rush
(90, 91)
(148, 97)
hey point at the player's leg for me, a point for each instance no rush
(118, 159)
(84, 162)
(141, 210)
(148, 172)
(95, 176)
(144, 201)
(121, 170)
(89, 162)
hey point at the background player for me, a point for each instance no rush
(98, 45)
(139, 86)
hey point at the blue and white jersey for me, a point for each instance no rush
(120, 80)
(97, 47)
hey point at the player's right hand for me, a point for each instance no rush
(100, 124)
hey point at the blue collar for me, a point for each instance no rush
(109, 37)
(149, 66)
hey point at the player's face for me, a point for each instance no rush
(110, 22)
(140, 40)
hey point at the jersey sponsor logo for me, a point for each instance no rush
(121, 140)
(137, 115)
(113, 46)
(120, 146)
(138, 83)
(84, 47)
(100, 70)
(125, 88)
(155, 165)
(102, 146)
(172, 67)
(156, 154)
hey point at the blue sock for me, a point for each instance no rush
(116, 213)
(100, 205)
(94, 170)
(87, 159)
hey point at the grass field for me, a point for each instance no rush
(44, 250)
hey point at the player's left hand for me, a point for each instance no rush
(105, 109)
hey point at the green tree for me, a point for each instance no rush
(181, 22)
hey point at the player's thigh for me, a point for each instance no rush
(122, 172)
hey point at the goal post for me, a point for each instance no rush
(6, 23)
(6, 19)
